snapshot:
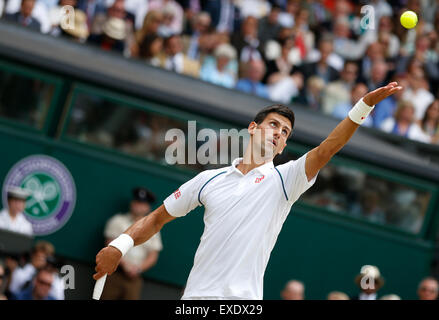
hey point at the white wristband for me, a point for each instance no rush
(360, 111)
(123, 243)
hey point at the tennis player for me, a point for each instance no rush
(245, 204)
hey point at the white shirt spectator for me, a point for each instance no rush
(414, 131)
(243, 217)
(20, 224)
(21, 276)
(136, 255)
(420, 98)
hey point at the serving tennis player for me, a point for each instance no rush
(245, 204)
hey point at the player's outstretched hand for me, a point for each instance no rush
(106, 261)
(375, 96)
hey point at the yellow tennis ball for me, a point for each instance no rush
(409, 19)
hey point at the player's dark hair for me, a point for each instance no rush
(275, 108)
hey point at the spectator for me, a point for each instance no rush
(175, 60)
(418, 92)
(403, 123)
(40, 12)
(24, 16)
(12, 218)
(22, 276)
(312, 97)
(337, 295)
(374, 52)
(113, 30)
(294, 290)
(40, 288)
(344, 46)
(430, 122)
(321, 68)
(341, 110)
(339, 91)
(286, 18)
(150, 49)
(224, 15)
(176, 24)
(269, 26)
(254, 8)
(191, 43)
(370, 281)
(246, 42)
(126, 282)
(2, 282)
(113, 36)
(387, 39)
(387, 107)
(378, 75)
(218, 71)
(79, 32)
(284, 84)
(151, 24)
(251, 83)
(428, 289)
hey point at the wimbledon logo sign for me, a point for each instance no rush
(51, 188)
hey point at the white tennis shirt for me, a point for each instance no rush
(242, 220)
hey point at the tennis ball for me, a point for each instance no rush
(409, 19)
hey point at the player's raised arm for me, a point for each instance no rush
(319, 156)
(109, 257)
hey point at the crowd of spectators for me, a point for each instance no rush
(324, 54)
(370, 284)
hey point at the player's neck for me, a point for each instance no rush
(249, 163)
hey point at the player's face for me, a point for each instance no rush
(271, 134)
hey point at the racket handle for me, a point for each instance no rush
(99, 286)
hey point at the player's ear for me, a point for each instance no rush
(252, 127)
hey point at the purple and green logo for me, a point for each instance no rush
(51, 188)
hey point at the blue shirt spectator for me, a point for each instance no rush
(254, 72)
(40, 287)
(383, 110)
(218, 71)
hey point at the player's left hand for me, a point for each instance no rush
(375, 96)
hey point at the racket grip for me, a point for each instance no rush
(99, 286)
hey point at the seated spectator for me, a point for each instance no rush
(344, 45)
(294, 290)
(269, 26)
(246, 42)
(341, 110)
(337, 295)
(369, 281)
(2, 281)
(389, 41)
(403, 123)
(374, 52)
(387, 107)
(321, 68)
(13, 218)
(428, 289)
(175, 60)
(113, 36)
(339, 91)
(40, 288)
(430, 122)
(251, 83)
(22, 276)
(378, 75)
(78, 31)
(110, 33)
(217, 71)
(126, 282)
(418, 92)
(176, 24)
(191, 43)
(150, 49)
(312, 96)
(369, 208)
(283, 83)
(24, 16)
(151, 24)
